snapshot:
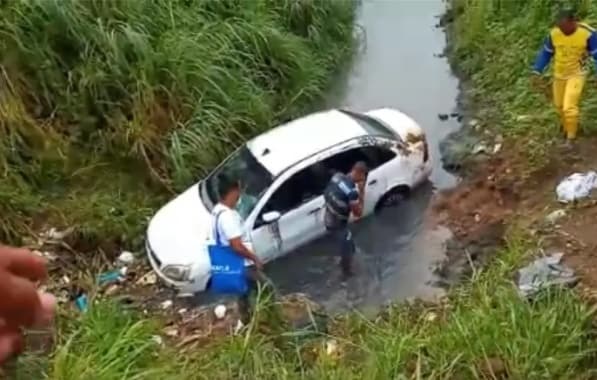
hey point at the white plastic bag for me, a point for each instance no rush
(576, 186)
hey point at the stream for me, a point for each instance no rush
(398, 66)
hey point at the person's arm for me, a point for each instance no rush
(232, 228)
(592, 46)
(357, 198)
(544, 56)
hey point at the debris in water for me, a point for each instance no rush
(576, 186)
(454, 114)
(554, 216)
(126, 257)
(166, 304)
(150, 278)
(443, 116)
(220, 311)
(543, 273)
(82, 303)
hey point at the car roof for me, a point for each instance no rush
(298, 139)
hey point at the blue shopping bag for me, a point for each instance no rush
(227, 267)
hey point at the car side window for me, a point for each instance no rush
(302, 187)
(374, 156)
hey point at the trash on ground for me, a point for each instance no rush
(166, 304)
(543, 273)
(239, 326)
(497, 147)
(66, 279)
(123, 271)
(158, 340)
(331, 347)
(126, 257)
(554, 216)
(150, 278)
(220, 311)
(576, 186)
(171, 331)
(109, 277)
(82, 303)
(480, 148)
(54, 234)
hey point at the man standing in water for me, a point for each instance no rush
(344, 196)
(570, 43)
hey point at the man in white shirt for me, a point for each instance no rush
(231, 233)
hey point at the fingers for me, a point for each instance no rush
(20, 305)
(21, 262)
(11, 343)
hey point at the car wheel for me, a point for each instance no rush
(393, 197)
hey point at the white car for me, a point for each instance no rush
(283, 173)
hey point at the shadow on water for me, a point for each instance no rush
(397, 67)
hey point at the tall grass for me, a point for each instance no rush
(158, 91)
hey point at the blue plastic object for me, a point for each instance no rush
(109, 277)
(228, 273)
(81, 303)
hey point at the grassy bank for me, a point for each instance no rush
(496, 44)
(483, 330)
(107, 107)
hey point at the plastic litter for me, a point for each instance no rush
(543, 273)
(126, 257)
(576, 186)
(109, 277)
(82, 303)
(220, 311)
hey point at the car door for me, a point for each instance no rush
(299, 200)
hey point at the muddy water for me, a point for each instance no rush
(398, 67)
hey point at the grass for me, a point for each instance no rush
(139, 98)
(483, 330)
(496, 44)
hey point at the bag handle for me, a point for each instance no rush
(217, 227)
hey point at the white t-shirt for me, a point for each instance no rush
(230, 225)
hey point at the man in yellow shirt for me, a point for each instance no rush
(569, 43)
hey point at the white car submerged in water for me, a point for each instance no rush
(283, 173)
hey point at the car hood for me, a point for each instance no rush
(398, 121)
(178, 232)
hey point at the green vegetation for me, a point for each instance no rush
(107, 106)
(495, 45)
(483, 330)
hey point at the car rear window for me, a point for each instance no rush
(371, 125)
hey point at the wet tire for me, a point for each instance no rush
(393, 197)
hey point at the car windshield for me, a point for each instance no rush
(371, 125)
(253, 177)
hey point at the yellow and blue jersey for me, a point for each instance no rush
(570, 52)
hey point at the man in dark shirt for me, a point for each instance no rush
(344, 196)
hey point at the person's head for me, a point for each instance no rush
(566, 21)
(229, 191)
(359, 172)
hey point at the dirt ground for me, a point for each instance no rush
(504, 189)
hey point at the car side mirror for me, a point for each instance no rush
(270, 217)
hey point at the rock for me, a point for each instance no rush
(166, 304)
(171, 332)
(126, 257)
(554, 216)
(443, 116)
(456, 148)
(477, 218)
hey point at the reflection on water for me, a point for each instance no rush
(396, 248)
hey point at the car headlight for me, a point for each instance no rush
(177, 272)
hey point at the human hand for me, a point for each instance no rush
(21, 305)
